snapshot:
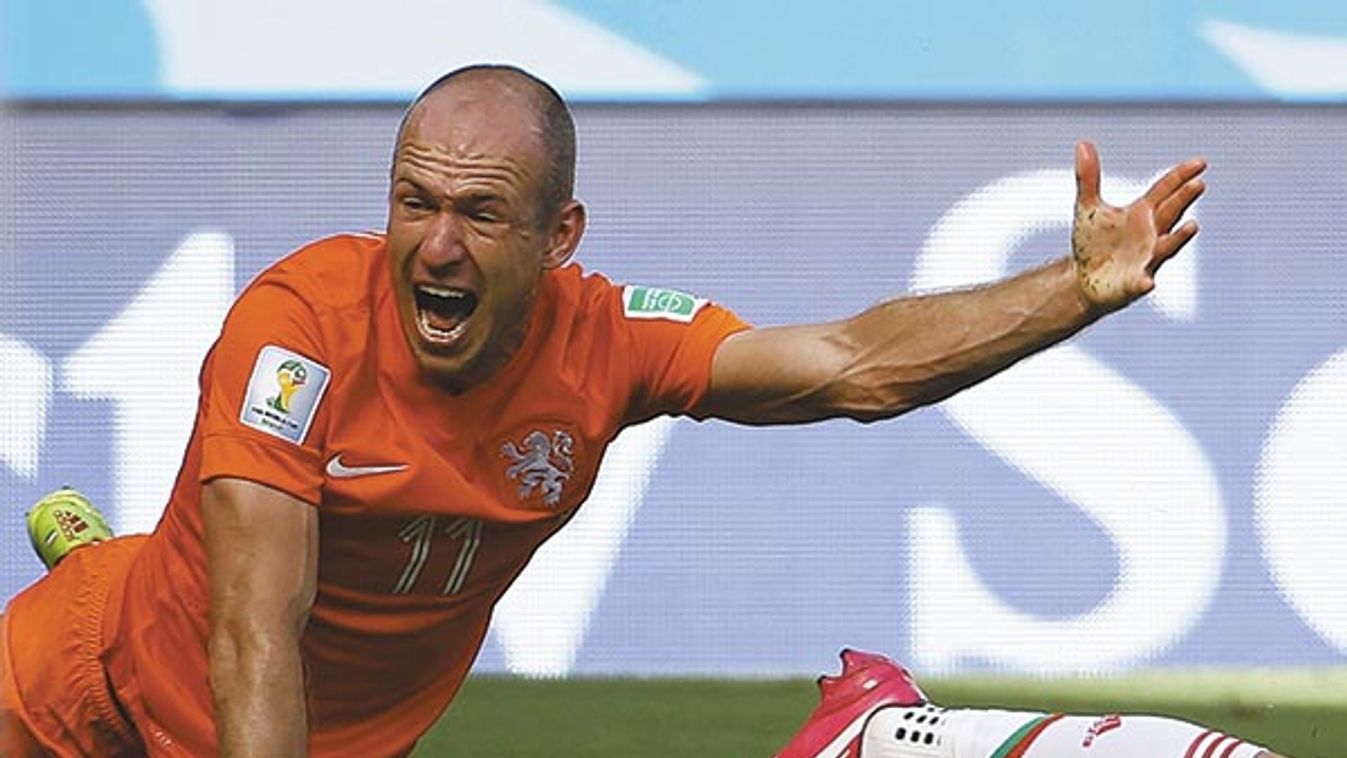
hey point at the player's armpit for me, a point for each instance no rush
(262, 552)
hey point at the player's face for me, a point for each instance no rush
(464, 239)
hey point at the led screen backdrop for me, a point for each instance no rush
(1168, 488)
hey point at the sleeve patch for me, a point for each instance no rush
(283, 393)
(654, 302)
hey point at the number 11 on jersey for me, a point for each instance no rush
(420, 534)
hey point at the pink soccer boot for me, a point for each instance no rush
(867, 683)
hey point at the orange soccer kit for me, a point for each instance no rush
(429, 504)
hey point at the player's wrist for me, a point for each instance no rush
(1074, 289)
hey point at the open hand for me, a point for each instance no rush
(1118, 250)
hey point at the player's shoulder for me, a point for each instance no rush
(574, 288)
(335, 262)
(333, 272)
(592, 291)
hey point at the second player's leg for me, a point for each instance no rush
(929, 732)
(874, 709)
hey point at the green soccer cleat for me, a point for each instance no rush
(63, 521)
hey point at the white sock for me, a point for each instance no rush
(931, 732)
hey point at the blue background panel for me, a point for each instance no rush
(762, 550)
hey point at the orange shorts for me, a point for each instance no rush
(54, 692)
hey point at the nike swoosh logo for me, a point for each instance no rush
(338, 470)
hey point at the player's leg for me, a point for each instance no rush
(56, 691)
(57, 524)
(16, 740)
(894, 732)
(875, 710)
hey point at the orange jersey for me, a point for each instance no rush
(429, 503)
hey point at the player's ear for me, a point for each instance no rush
(565, 234)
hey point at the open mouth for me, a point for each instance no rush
(442, 313)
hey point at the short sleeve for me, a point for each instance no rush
(672, 348)
(262, 416)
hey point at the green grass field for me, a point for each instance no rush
(1302, 714)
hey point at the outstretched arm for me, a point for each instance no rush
(262, 547)
(914, 351)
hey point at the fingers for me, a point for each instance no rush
(1172, 208)
(1087, 174)
(1173, 180)
(1170, 244)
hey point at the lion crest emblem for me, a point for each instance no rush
(543, 464)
